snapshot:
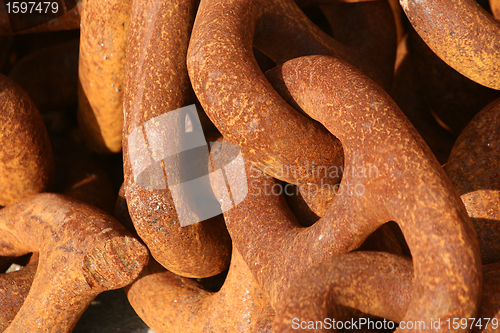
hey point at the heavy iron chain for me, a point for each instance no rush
(150, 72)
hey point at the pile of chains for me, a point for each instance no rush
(311, 165)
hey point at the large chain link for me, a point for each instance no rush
(263, 198)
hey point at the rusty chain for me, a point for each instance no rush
(266, 144)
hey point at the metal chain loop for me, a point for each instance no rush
(265, 166)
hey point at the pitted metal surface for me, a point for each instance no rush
(302, 193)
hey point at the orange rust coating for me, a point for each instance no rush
(375, 283)
(461, 33)
(495, 8)
(14, 288)
(228, 82)
(410, 188)
(474, 169)
(283, 32)
(83, 252)
(238, 98)
(26, 160)
(157, 82)
(378, 283)
(452, 98)
(103, 42)
(170, 303)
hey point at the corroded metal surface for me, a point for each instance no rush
(26, 161)
(170, 303)
(320, 123)
(410, 188)
(376, 283)
(157, 82)
(462, 34)
(380, 285)
(14, 288)
(103, 41)
(228, 82)
(383, 239)
(453, 98)
(237, 97)
(495, 8)
(78, 260)
(474, 169)
(309, 203)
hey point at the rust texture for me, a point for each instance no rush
(157, 82)
(462, 34)
(103, 42)
(14, 288)
(300, 208)
(68, 21)
(474, 169)
(376, 283)
(453, 98)
(170, 303)
(78, 260)
(50, 76)
(319, 127)
(26, 160)
(227, 84)
(283, 39)
(410, 188)
(495, 8)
